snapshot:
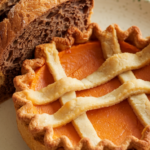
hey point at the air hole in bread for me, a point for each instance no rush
(66, 20)
(85, 9)
(10, 55)
(17, 60)
(52, 14)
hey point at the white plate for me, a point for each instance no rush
(125, 13)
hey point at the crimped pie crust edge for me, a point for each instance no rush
(74, 36)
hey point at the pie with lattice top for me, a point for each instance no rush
(92, 94)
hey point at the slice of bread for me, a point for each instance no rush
(33, 22)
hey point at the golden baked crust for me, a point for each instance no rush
(20, 16)
(1, 4)
(5, 6)
(44, 133)
(132, 35)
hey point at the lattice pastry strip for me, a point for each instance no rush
(79, 105)
(139, 103)
(54, 66)
(76, 107)
(42, 124)
(70, 109)
(102, 75)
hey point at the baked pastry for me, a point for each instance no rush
(33, 22)
(96, 116)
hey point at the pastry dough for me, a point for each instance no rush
(74, 108)
(119, 62)
(51, 56)
(77, 106)
(139, 103)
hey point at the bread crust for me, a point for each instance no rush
(1, 3)
(20, 16)
(5, 6)
(24, 108)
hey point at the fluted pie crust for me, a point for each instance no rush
(37, 129)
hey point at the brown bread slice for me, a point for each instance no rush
(33, 22)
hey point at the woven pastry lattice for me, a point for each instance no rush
(74, 108)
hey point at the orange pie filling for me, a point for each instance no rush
(114, 123)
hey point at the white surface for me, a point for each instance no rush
(123, 12)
